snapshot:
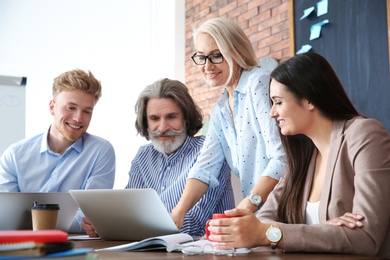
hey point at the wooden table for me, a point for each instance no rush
(264, 253)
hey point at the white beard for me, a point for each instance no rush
(168, 147)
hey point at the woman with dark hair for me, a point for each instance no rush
(338, 161)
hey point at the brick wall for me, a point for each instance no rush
(266, 22)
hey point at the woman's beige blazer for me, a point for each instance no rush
(357, 180)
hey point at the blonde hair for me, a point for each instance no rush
(232, 42)
(77, 79)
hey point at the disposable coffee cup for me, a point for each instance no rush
(44, 216)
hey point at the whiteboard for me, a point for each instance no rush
(12, 110)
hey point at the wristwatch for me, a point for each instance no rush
(255, 199)
(274, 234)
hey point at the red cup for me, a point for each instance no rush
(215, 216)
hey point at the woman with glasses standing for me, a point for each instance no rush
(240, 130)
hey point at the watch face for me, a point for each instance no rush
(274, 234)
(255, 199)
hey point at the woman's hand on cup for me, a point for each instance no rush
(242, 229)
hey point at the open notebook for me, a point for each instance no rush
(131, 214)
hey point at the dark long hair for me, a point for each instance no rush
(308, 76)
(178, 92)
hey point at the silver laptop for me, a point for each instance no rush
(130, 214)
(15, 209)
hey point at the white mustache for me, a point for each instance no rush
(170, 133)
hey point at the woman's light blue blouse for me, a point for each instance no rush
(251, 143)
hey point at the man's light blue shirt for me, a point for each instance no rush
(251, 143)
(167, 175)
(30, 166)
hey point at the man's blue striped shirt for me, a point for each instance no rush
(167, 174)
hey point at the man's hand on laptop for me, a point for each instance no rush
(87, 226)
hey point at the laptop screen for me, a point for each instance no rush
(15, 209)
(130, 214)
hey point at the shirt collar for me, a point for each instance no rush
(44, 144)
(78, 145)
(242, 87)
(243, 82)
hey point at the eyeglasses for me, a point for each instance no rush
(208, 249)
(213, 58)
